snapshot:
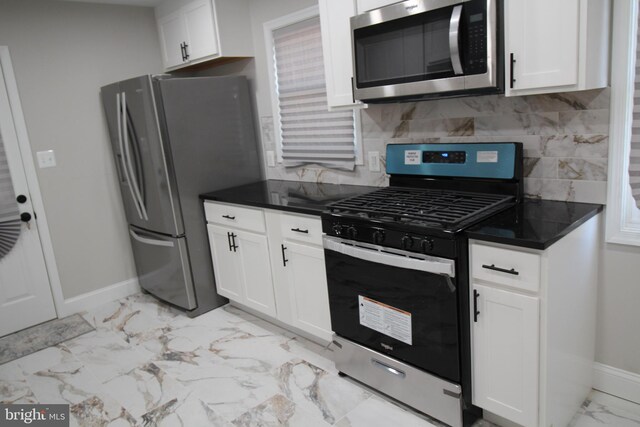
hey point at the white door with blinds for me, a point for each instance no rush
(25, 292)
(308, 131)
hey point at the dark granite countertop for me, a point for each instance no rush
(293, 196)
(535, 224)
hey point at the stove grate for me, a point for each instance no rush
(445, 207)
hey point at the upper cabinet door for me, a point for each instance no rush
(337, 51)
(202, 34)
(173, 33)
(542, 37)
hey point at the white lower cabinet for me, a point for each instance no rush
(242, 268)
(271, 262)
(505, 354)
(533, 321)
(306, 282)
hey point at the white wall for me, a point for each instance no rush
(62, 54)
(618, 335)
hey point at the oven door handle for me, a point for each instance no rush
(393, 257)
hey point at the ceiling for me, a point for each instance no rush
(149, 3)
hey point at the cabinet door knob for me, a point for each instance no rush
(21, 199)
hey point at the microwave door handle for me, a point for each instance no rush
(123, 154)
(454, 39)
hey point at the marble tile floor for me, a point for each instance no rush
(148, 365)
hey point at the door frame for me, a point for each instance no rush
(29, 167)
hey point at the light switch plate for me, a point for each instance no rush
(46, 159)
(374, 161)
(271, 159)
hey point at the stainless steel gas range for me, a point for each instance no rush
(397, 272)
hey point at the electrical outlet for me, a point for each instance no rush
(271, 159)
(374, 161)
(46, 159)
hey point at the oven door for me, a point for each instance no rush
(399, 303)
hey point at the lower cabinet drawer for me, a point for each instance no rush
(508, 267)
(235, 216)
(303, 228)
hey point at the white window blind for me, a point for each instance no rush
(309, 132)
(634, 153)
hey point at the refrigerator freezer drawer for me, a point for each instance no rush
(163, 267)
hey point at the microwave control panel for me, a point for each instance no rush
(476, 40)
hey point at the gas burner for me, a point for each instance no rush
(419, 206)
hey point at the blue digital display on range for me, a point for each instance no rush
(444, 157)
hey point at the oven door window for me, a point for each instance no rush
(404, 50)
(427, 298)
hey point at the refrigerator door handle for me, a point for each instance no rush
(133, 180)
(123, 156)
(148, 241)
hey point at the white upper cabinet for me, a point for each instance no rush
(553, 46)
(335, 26)
(202, 30)
(367, 5)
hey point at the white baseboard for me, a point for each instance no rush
(98, 297)
(616, 382)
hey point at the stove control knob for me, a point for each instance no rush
(337, 229)
(426, 245)
(352, 232)
(378, 237)
(406, 241)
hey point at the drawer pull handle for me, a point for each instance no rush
(229, 217)
(388, 368)
(501, 270)
(297, 230)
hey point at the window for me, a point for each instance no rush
(306, 131)
(623, 199)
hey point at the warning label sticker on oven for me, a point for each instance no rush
(487, 157)
(385, 319)
(412, 157)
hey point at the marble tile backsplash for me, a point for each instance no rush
(565, 138)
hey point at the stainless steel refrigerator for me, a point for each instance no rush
(173, 139)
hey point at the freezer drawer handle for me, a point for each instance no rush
(388, 368)
(229, 217)
(147, 241)
(297, 230)
(501, 270)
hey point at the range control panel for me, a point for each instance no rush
(444, 157)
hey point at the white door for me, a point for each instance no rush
(505, 354)
(543, 37)
(25, 292)
(307, 280)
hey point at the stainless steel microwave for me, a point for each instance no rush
(428, 48)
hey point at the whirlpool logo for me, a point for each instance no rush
(36, 415)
